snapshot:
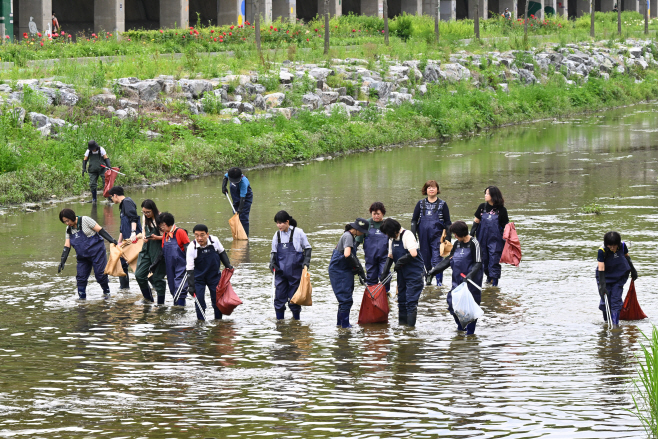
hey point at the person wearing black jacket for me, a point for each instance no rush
(95, 157)
(488, 225)
(131, 225)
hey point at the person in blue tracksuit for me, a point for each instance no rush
(343, 266)
(203, 257)
(488, 225)
(614, 266)
(241, 194)
(375, 245)
(404, 252)
(431, 216)
(174, 246)
(465, 259)
(86, 237)
(131, 225)
(291, 252)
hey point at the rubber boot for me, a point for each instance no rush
(280, 314)
(345, 320)
(338, 318)
(124, 282)
(246, 229)
(82, 294)
(295, 315)
(470, 328)
(148, 294)
(615, 319)
(161, 300)
(488, 282)
(494, 282)
(459, 325)
(180, 302)
(218, 314)
(428, 282)
(411, 318)
(94, 196)
(402, 319)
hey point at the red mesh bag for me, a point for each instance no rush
(374, 306)
(512, 250)
(631, 309)
(110, 177)
(226, 298)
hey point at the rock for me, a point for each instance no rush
(286, 112)
(312, 100)
(229, 111)
(67, 98)
(399, 98)
(383, 89)
(285, 77)
(259, 102)
(121, 114)
(504, 87)
(132, 113)
(432, 73)
(605, 76)
(642, 63)
(635, 52)
(621, 69)
(248, 108)
(57, 124)
(236, 121)
(151, 134)
(125, 103)
(255, 88)
(527, 76)
(18, 114)
(104, 99)
(342, 91)
(221, 94)
(38, 120)
(274, 100)
(455, 72)
(45, 130)
(320, 73)
(353, 109)
(236, 105)
(197, 87)
(4, 88)
(347, 100)
(29, 82)
(422, 89)
(329, 97)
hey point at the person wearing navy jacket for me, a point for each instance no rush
(86, 237)
(614, 266)
(409, 266)
(131, 225)
(375, 245)
(203, 270)
(291, 252)
(489, 225)
(241, 194)
(466, 263)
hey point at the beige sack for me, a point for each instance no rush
(130, 251)
(236, 228)
(303, 295)
(113, 267)
(446, 246)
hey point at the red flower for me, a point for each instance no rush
(190, 34)
(215, 39)
(271, 27)
(382, 31)
(24, 34)
(39, 34)
(161, 31)
(353, 30)
(247, 23)
(183, 36)
(7, 36)
(314, 29)
(231, 27)
(41, 44)
(276, 30)
(191, 27)
(307, 39)
(212, 31)
(230, 34)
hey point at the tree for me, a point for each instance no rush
(525, 26)
(326, 27)
(256, 8)
(592, 6)
(386, 22)
(646, 17)
(477, 19)
(437, 18)
(619, 17)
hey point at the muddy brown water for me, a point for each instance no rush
(541, 363)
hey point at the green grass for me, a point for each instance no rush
(34, 168)
(592, 208)
(645, 397)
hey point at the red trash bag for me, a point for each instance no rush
(226, 299)
(512, 250)
(631, 309)
(109, 181)
(374, 306)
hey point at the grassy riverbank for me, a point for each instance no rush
(35, 168)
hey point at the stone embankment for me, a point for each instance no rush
(348, 85)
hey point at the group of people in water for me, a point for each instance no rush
(190, 267)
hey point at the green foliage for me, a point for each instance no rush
(212, 104)
(645, 397)
(404, 28)
(592, 208)
(270, 82)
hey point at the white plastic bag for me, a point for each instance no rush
(464, 306)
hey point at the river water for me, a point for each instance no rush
(541, 363)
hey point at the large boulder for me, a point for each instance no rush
(38, 120)
(320, 73)
(104, 99)
(196, 87)
(67, 98)
(381, 88)
(274, 100)
(259, 102)
(432, 72)
(221, 94)
(148, 90)
(329, 97)
(312, 100)
(254, 89)
(455, 72)
(285, 77)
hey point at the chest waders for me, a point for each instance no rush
(207, 274)
(617, 270)
(246, 208)
(462, 262)
(430, 229)
(151, 251)
(125, 229)
(90, 253)
(410, 282)
(95, 170)
(341, 276)
(491, 245)
(288, 277)
(174, 260)
(375, 249)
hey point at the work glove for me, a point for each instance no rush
(107, 163)
(362, 278)
(448, 236)
(65, 255)
(439, 268)
(103, 234)
(224, 184)
(387, 269)
(603, 290)
(273, 265)
(633, 270)
(133, 236)
(475, 228)
(224, 258)
(307, 257)
(191, 287)
(476, 268)
(404, 260)
(241, 206)
(84, 167)
(414, 229)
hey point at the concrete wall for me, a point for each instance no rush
(483, 8)
(264, 8)
(335, 8)
(39, 10)
(562, 8)
(631, 5)
(653, 11)
(109, 16)
(448, 9)
(174, 13)
(582, 7)
(606, 5)
(411, 7)
(307, 10)
(231, 12)
(511, 5)
(348, 7)
(206, 10)
(284, 9)
(372, 8)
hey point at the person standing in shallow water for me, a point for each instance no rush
(465, 259)
(488, 225)
(343, 266)
(241, 195)
(431, 217)
(149, 260)
(86, 237)
(403, 251)
(613, 267)
(174, 248)
(291, 252)
(375, 245)
(94, 160)
(129, 228)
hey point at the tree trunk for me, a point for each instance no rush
(619, 16)
(646, 17)
(525, 25)
(437, 19)
(592, 6)
(256, 6)
(386, 22)
(326, 27)
(477, 19)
